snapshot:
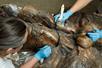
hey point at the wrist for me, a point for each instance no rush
(100, 33)
(69, 13)
(37, 56)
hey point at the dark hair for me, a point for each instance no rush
(12, 32)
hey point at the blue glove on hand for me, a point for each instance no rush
(43, 52)
(94, 36)
(66, 15)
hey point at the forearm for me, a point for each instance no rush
(79, 5)
(30, 63)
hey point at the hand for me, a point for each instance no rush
(66, 15)
(43, 52)
(100, 33)
(94, 36)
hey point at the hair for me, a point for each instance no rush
(12, 32)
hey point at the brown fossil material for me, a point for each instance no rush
(71, 52)
(71, 48)
(83, 41)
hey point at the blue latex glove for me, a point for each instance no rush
(95, 35)
(66, 15)
(43, 52)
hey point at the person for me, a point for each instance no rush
(13, 34)
(94, 36)
(76, 7)
(40, 55)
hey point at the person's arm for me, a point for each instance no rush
(79, 5)
(41, 54)
(76, 7)
(30, 63)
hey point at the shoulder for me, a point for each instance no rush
(5, 63)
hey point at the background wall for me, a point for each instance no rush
(52, 6)
(47, 5)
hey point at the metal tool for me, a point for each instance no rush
(59, 23)
(61, 13)
(41, 61)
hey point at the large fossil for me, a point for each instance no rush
(69, 48)
(69, 53)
